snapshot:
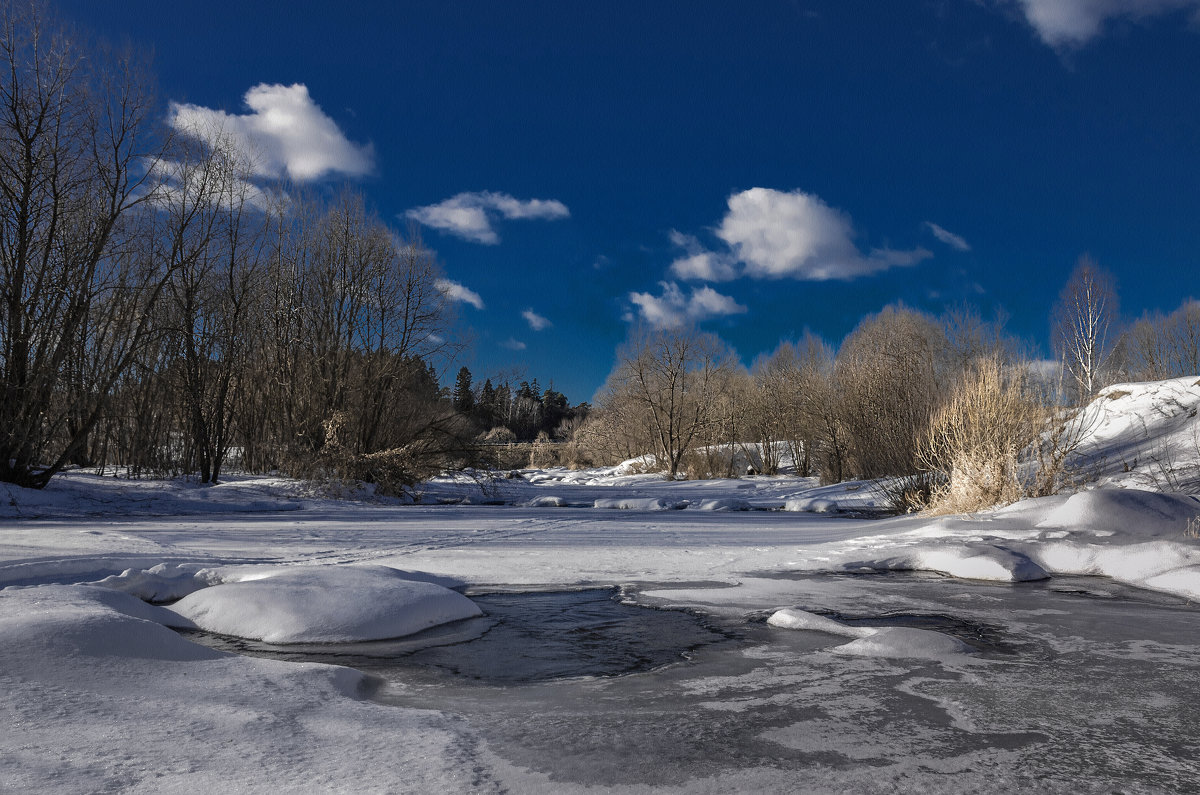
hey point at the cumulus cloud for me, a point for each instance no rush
(285, 132)
(797, 235)
(536, 321)
(470, 215)
(673, 309)
(1067, 23)
(698, 263)
(457, 292)
(949, 238)
(513, 344)
(174, 183)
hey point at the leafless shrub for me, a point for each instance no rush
(666, 387)
(888, 388)
(544, 453)
(975, 438)
(910, 493)
(1165, 346)
(1057, 465)
(444, 444)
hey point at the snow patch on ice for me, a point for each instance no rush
(639, 503)
(547, 501)
(901, 642)
(812, 505)
(324, 604)
(722, 504)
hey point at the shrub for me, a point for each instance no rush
(974, 439)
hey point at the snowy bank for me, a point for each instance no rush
(99, 696)
(323, 604)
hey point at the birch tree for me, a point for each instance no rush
(1082, 322)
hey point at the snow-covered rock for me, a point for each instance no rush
(324, 604)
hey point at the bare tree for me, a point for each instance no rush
(1082, 321)
(889, 378)
(1165, 346)
(213, 236)
(76, 297)
(671, 378)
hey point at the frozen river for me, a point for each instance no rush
(619, 650)
(1076, 685)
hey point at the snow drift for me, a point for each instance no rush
(324, 604)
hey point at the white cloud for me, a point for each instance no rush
(285, 133)
(513, 344)
(1064, 23)
(949, 238)
(698, 263)
(536, 321)
(456, 292)
(673, 309)
(176, 184)
(797, 235)
(470, 215)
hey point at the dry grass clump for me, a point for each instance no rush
(975, 438)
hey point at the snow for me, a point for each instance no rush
(967, 561)
(103, 695)
(638, 504)
(1128, 512)
(323, 604)
(99, 696)
(1142, 435)
(902, 642)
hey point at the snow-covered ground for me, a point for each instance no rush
(950, 654)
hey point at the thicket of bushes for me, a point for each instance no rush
(168, 308)
(950, 413)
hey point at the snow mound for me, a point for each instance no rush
(901, 642)
(1125, 512)
(1184, 581)
(638, 503)
(640, 465)
(162, 583)
(812, 505)
(70, 621)
(324, 604)
(723, 504)
(547, 502)
(966, 561)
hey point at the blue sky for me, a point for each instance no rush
(758, 167)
